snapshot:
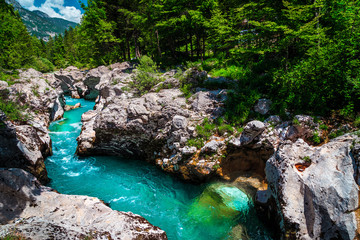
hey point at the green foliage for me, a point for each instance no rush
(42, 64)
(357, 121)
(12, 110)
(216, 167)
(316, 138)
(226, 128)
(304, 55)
(295, 122)
(13, 236)
(15, 41)
(239, 104)
(9, 76)
(145, 77)
(307, 159)
(195, 142)
(324, 127)
(186, 89)
(206, 129)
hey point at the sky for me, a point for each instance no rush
(66, 9)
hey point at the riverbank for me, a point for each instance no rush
(185, 136)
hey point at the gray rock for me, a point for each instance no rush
(3, 84)
(188, 150)
(69, 107)
(92, 79)
(38, 212)
(179, 122)
(273, 119)
(251, 131)
(314, 189)
(212, 146)
(263, 106)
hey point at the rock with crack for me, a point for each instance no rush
(314, 190)
(38, 212)
(26, 143)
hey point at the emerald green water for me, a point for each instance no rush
(184, 211)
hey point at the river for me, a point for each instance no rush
(183, 210)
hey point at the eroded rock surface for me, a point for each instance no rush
(38, 212)
(26, 143)
(314, 189)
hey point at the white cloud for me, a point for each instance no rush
(26, 3)
(69, 13)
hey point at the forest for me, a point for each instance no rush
(303, 55)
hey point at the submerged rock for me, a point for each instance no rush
(37, 212)
(69, 107)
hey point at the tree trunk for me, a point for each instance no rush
(191, 46)
(158, 42)
(137, 48)
(128, 49)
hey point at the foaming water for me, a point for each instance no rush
(184, 211)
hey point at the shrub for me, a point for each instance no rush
(145, 78)
(42, 64)
(12, 110)
(316, 138)
(196, 142)
(9, 76)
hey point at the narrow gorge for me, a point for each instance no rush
(162, 168)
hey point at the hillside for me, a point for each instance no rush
(39, 23)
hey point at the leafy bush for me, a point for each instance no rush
(43, 65)
(206, 129)
(145, 78)
(9, 76)
(316, 138)
(12, 110)
(196, 142)
(239, 104)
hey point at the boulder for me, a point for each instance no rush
(38, 212)
(92, 78)
(155, 127)
(314, 190)
(22, 147)
(251, 131)
(3, 85)
(69, 107)
(212, 146)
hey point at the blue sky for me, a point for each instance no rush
(66, 9)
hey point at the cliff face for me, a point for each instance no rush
(26, 143)
(315, 188)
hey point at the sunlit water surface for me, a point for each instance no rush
(183, 210)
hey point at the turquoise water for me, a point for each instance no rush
(184, 211)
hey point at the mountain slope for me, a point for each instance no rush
(39, 23)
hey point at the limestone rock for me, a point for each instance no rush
(38, 212)
(22, 147)
(314, 189)
(212, 146)
(92, 78)
(179, 122)
(3, 84)
(251, 131)
(188, 150)
(69, 107)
